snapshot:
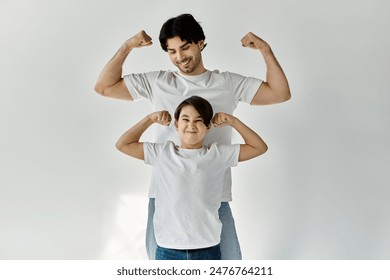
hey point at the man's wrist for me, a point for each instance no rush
(125, 49)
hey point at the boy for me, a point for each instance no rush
(190, 177)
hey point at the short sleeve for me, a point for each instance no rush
(152, 151)
(229, 154)
(141, 85)
(245, 88)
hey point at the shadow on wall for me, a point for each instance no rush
(126, 234)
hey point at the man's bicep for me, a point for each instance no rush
(263, 95)
(119, 91)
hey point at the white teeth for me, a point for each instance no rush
(185, 62)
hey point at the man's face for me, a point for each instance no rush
(186, 56)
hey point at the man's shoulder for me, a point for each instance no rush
(225, 74)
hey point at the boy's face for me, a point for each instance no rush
(186, 56)
(191, 128)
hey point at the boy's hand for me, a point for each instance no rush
(221, 119)
(161, 117)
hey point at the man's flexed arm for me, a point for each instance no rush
(254, 145)
(275, 89)
(110, 82)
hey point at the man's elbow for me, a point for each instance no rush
(288, 95)
(99, 89)
(119, 146)
(284, 95)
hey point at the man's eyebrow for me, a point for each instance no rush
(182, 46)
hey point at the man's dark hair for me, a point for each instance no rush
(201, 105)
(184, 26)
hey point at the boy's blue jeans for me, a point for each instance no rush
(211, 253)
(229, 245)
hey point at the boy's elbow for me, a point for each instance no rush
(261, 150)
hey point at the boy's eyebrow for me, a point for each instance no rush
(186, 116)
(182, 46)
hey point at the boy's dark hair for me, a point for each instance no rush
(184, 26)
(201, 105)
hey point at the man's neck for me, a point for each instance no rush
(197, 73)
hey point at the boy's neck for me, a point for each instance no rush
(191, 147)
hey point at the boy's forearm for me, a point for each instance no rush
(250, 137)
(134, 133)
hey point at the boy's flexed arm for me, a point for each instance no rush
(254, 145)
(129, 143)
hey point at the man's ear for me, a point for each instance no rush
(202, 44)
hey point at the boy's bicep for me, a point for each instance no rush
(135, 150)
(246, 152)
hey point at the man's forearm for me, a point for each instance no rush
(276, 78)
(112, 72)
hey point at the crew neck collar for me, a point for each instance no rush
(194, 77)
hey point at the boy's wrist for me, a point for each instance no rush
(150, 119)
(235, 120)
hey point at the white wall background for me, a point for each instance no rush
(320, 192)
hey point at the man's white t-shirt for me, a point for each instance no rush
(165, 90)
(188, 190)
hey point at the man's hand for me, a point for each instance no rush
(139, 40)
(161, 117)
(221, 119)
(250, 40)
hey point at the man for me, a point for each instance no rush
(183, 39)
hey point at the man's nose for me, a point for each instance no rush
(179, 56)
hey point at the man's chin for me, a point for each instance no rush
(186, 70)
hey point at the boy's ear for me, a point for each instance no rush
(176, 125)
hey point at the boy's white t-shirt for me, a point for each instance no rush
(165, 90)
(188, 191)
